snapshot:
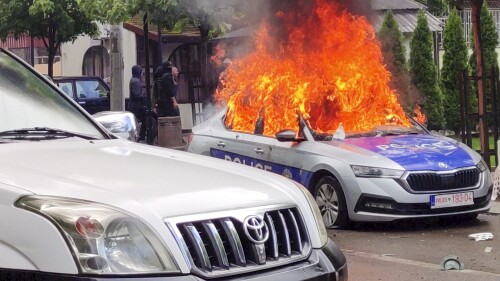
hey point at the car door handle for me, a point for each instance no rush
(82, 102)
(259, 150)
(221, 144)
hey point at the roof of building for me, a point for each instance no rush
(190, 34)
(239, 33)
(492, 4)
(407, 21)
(396, 5)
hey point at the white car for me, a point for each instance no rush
(78, 203)
(387, 174)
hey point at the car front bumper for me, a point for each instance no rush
(327, 263)
(394, 202)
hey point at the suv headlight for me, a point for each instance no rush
(104, 240)
(374, 172)
(323, 234)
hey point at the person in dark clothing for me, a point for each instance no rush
(137, 100)
(167, 91)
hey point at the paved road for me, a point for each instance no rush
(414, 250)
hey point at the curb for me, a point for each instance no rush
(495, 206)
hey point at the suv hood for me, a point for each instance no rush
(418, 152)
(119, 172)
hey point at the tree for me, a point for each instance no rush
(435, 6)
(53, 21)
(391, 41)
(213, 18)
(454, 62)
(424, 74)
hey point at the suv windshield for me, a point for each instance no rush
(26, 101)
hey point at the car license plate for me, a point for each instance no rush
(452, 200)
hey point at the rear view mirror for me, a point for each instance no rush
(288, 136)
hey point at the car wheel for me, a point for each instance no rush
(331, 202)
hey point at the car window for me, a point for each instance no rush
(90, 89)
(27, 101)
(67, 88)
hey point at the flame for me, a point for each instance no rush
(219, 54)
(419, 116)
(329, 69)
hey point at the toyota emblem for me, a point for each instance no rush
(256, 229)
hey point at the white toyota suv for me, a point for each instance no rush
(77, 203)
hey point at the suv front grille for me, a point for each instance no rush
(439, 181)
(222, 246)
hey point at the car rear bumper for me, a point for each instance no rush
(327, 263)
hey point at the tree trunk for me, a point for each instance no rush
(52, 54)
(204, 30)
(478, 49)
(117, 99)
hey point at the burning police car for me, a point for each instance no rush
(78, 203)
(388, 173)
(315, 104)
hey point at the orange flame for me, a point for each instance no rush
(419, 116)
(220, 53)
(329, 70)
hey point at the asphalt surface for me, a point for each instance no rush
(414, 250)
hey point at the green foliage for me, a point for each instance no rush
(55, 21)
(435, 6)
(391, 40)
(424, 74)
(454, 62)
(212, 17)
(64, 19)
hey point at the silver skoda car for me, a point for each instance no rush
(386, 174)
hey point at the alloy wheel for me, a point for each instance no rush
(328, 203)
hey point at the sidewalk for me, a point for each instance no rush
(495, 206)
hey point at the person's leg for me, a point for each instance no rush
(142, 119)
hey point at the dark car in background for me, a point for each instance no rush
(92, 93)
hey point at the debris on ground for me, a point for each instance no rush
(481, 236)
(488, 249)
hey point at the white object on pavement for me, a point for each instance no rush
(481, 236)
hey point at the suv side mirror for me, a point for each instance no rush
(288, 136)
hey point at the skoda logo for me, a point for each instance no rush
(256, 229)
(442, 165)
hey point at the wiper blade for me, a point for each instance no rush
(38, 133)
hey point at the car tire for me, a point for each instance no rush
(331, 202)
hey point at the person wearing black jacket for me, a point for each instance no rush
(167, 91)
(137, 100)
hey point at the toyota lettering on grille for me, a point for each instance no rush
(256, 229)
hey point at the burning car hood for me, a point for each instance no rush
(126, 174)
(418, 152)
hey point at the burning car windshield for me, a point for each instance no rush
(377, 131)
(26, 101)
